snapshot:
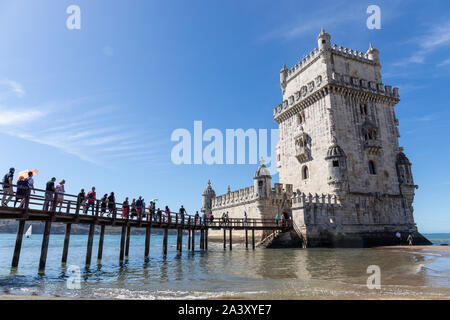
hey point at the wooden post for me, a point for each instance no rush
(148, 231)
(181, 239)
(66, 243)
(122, 242)
(224, 239)
(166, 232)
(44, 247)
(193, 240)
(201, 239)
(100, 244)
(253, 239)
(189, 239)
(127, 245)
(206, 239)
(18, 247)
(89, 245)
(231, 240)
(246, 238)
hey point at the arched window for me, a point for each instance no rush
(305, 173)
(372, 169)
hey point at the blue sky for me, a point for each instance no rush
(97, 106)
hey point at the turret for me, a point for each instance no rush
(283, 76)
(324, 40)
(262, 181)
(337, 167)
(373, 54)
(404, 170)
(207, 197)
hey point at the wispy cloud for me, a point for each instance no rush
(444, 63)
(8, 86)
(437, 37)
(8, 117)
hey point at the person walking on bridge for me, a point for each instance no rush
(125, 208)
(139, 204)
(167, 212)
(245, 219)
(81, 200)
(276, 219)
(204, 220)
(182, 211)
(60, 194)
(91, 197)
(49, 194)
(103, 204)
(111, 204)
(21, 191)
(8, 187)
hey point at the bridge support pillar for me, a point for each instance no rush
(201, 239)
(231, 240)
(166, 233)
(18, 247)
(193, 240)
(148, 231)
(66, 244)
(224, 239)
(253, 239)
(206, 239)
(246, 238)
(127, 244)
(89, 245)
(189, 239)
(122, 242)
(44, 247)
(100, 244)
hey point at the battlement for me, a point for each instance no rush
(301, 97)
(301, 199)
(248, 194)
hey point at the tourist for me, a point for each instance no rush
(151, 210)
(60, 194)
(211, 218)
(103, 204)
(167, 213)
(81, 200)
(49, 194)
(227, 218)
(182, 211)
(30, 182)
(22, 187)
(144, 215)
(8, 187)
(111, 204)
(196, 218)
(410, 239)
(133, 208)
(139, 207)
(224, 218)
(159, 215)
(125, 208)
(91, 196)
(204, 220)
(245, 219)
(276, 219)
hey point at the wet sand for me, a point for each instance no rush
(440, 248)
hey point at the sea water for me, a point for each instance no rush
(218, 273)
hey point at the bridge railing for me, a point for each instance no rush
(53, 203)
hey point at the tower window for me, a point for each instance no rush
(363, 108)
(305, 173)
(324, 41)
(335, 163)
(372, 168)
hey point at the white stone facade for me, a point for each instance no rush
(338, 156)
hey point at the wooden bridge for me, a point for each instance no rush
(70, 211)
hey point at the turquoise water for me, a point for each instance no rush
(218, 273)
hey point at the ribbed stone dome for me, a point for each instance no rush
(402, 159)
(209, 190)
(335, 151)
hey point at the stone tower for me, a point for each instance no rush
(207, 197)
(339, 140)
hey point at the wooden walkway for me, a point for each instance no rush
(36, 208)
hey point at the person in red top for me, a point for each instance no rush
(90, 201)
